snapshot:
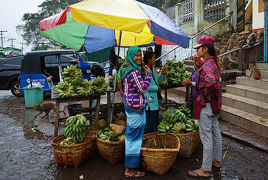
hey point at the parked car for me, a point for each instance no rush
(9, 73)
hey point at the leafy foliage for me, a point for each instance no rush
(30, 29)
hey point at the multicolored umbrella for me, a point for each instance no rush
(97, 25)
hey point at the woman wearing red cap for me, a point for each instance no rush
(198, 62)
(208, 107)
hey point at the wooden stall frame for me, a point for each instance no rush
(73, 98)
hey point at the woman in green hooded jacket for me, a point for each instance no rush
(151, 93)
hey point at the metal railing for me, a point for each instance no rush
(226, 53)
(197, 34)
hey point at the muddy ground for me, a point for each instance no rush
(26, 153)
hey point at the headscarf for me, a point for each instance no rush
(128, 64)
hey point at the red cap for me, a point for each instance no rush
(200, 60)
(204, 40)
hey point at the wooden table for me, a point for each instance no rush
(73, 98)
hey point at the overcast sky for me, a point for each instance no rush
(11, 13)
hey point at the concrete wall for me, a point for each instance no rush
(257, 18)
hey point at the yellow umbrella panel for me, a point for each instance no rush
(135, 39)
(123, 15)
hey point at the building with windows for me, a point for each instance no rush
(192, 16)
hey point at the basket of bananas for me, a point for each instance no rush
(75, 145)
(182, 125)
(110, 145)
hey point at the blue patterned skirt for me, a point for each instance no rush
(134, 135)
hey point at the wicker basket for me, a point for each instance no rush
(156, 158)
(189, 143)
(111, 152)
(92, 129)
(120, 122)
(71, 155)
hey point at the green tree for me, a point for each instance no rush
(30, 29)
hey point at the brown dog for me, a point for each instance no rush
(46, 107)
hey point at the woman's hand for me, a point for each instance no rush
(147, 69)
(164, 70)
(186, 82)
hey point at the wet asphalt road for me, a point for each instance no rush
(26, 154)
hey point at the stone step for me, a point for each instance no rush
(173, 98)
(248, 92)
(189, 62)
(180, 91)
(262, 65)
(189, 68)
(264, 74)
(248, 121)
(261, 84)
(245, 104)
(230, 74)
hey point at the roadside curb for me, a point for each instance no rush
(243, 136)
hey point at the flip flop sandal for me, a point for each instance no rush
(136, 175)
(197, 175)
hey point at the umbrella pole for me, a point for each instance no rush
(115, 77)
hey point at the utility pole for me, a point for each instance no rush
(1, 36)
(22, 47)
(12, 39)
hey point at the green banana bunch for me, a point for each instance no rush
(191, 125)
(175, 74)
(180, 116)
(108, 134)
(99, 85)
(72, 75)
(164, 126)
(67, 141)
(167, 115)
(64, 89)
(178, 122)
(186, 111)
(86, 88)
(76, 128)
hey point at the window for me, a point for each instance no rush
(63, 59)
(187, 11)
(214, 9)
(12, 61)
(51, 60)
